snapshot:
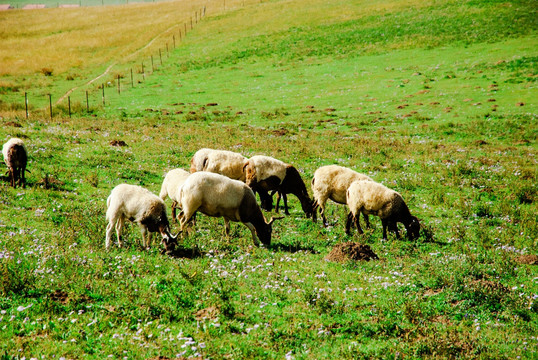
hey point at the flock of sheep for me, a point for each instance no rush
(223, 183)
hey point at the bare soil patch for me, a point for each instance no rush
(118, 143)
(527, 259)
(351, 251)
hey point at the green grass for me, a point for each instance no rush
(413, 111)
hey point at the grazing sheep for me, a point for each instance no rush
(332, 182)
(142, 207)
(219, 196)
(173, 180)
(224, 162)
(371, 198)
(267, 173)
(15, 157)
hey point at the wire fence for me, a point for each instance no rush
(90, 99)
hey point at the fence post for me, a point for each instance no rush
(103, 86)
(160, 57)
(26, 103)
(152, 67)
(119, 91)
(132, 80)
(69, 105)
(50, 105)
(87, 102)
(174, 39)
(143, 74)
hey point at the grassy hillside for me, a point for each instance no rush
(433, 99)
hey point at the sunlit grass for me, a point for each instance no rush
(445, 114)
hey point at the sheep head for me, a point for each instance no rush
(169, 241)
(308, 207)
(265, 236)
(413, 228)
(250, 173)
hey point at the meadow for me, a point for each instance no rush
(434, 99)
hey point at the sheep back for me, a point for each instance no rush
(265, 167)
(173, 180)
(216, 195)
(372, 198)
(14, 153)
(333, 181)
(137, 204)
(224, 162)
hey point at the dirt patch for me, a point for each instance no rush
(281, 132)
(490, 286)
(60, 296)
(209, 313)
(118, 143)
(527, 259)
(14, 124)
(351, 251)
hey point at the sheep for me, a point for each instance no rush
(141, 206)
(224, 162)
(219, 196)
(332, 182)
(173, 180)
(371, 198)
(15, 157)
(267, 173)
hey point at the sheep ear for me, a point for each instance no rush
(274, 218)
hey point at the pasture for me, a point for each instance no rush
(436, 100)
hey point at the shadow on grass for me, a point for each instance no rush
(293, 248)
(185, 253)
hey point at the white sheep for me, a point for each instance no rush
(332, 182)
(142, 207)
(16, 158)
(219, 196)
(371, 198)
(269, 174)
(173, 180)
(224, 162)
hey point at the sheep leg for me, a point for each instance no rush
(227, 227)
(254, 236)
(394, 227)
(355, 219)
(23, 176)
(285, 198)
(315, 207)
(277, 205)
(174, 207)
(385, 223)
(145, 236)
(109, 229)
(366, 220)
(11, 177)
(119, 227)
(348, 222)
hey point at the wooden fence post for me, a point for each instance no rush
(50, 105)
(69, 105)
(160, 57)
(152, 66)
(87, 102)
(132, 79)
(26, 103)
(119, 90)
(103, 86)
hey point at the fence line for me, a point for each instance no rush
(102, 86)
